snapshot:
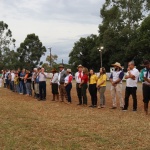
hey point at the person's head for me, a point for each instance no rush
(117, 66)
(18, 69)
(146, 64)
(39, 69)
(91, 72)
(27, 71)
(102, 70)
(23, 70)
(85, 71)
(68, 71)
(61, 67)
(42, 69)
(131, 65)
(34, 69)
(80, 68)
(54, 71)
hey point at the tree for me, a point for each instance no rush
(52, 59)
(85, 52)
(6, 42)
(30, 51)
(121, 19)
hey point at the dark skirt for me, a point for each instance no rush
(54, 88)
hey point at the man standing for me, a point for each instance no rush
(145, 78)
(61, 81)
(42, 84)
(116, 85)
(78, 77)
(131, 85)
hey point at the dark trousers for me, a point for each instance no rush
(79, 93)
(68, 90)
(83, 91)
(93, 93)
(130, 91)
(42, 89)
(146, 93)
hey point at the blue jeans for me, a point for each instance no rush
(22, 87)
(28, 88)
(68, 90)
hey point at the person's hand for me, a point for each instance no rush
(128, 69)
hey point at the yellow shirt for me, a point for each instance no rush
(101, 79)
(93, 79)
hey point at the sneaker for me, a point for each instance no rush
(79, 104)
(124, 109)
(134, 110)
(91, 106)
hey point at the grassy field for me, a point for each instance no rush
(27, 124)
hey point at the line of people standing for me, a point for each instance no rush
(24, 81)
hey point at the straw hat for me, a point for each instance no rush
(145, 63)
(80, 66)
(61, 66)
(68, 70)
(117, 64)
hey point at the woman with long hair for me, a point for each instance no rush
(101, 86)
(92, 88)
(84, 85)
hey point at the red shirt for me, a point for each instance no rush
(85, 78)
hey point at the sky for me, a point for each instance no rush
(58, 23)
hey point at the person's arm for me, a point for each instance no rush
(130, 75)
(111, 78)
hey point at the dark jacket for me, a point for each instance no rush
(63, 74)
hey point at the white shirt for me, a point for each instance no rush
(77, 78)
(55, 78)
(67, 78)
(33, 73)
(42, 77)
(12, 76)
(130, 82)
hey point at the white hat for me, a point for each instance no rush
(117, 65)
(68, 70)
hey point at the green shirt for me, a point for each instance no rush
(142, 74)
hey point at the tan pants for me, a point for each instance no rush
(117, 91)
(36, 88)
(63, 92)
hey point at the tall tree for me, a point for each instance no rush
(30, 51)
(83, 53)
(6, 43)
(118, 28)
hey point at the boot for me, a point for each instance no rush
(146, 108)
(53, 97)
(57, 95)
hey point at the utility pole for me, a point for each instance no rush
(50, 60)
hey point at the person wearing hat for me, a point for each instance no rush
(116, 85)
(78, 76)
(61, 81)
(145, 78)
(54, 84)
(131, 77)
(68, 84)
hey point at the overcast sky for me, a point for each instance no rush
(58, 23)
